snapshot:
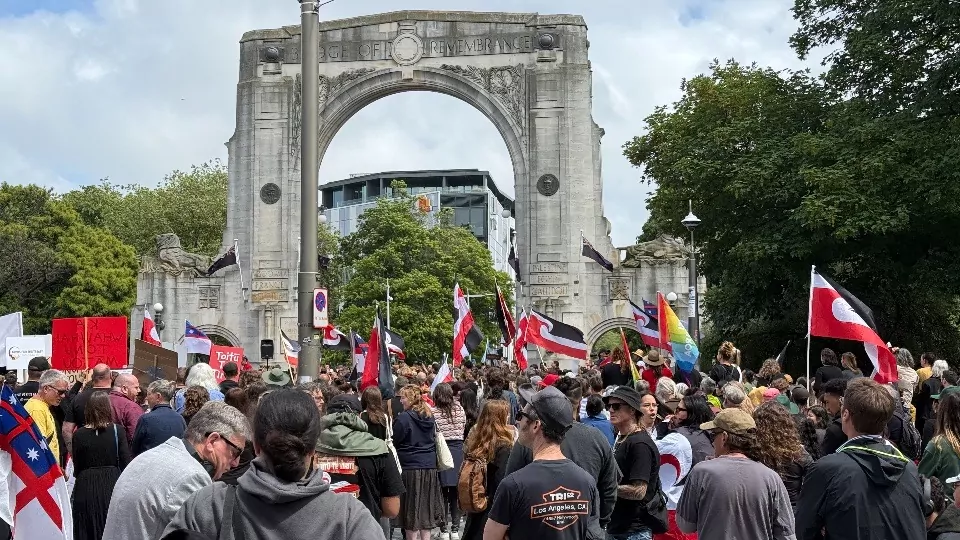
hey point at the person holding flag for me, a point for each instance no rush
(675, 338)
(654, 367)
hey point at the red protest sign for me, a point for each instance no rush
(81, 343)
(220, 355)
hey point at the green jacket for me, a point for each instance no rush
(345, 434)
(939, 460)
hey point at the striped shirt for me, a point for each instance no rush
(451, 426)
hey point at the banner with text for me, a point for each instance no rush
(320, 318)
(21, 349)
(220, 355)
(81, 343)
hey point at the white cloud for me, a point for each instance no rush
(134, 89)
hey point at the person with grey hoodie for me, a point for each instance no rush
(281, 495)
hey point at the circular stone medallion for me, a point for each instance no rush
(548, 185)
(270, 193)
(407, 49)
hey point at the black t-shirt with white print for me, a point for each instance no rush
(548, 500)
(639, 461)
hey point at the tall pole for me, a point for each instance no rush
(309, 185)
(388, 302)
(693, 313)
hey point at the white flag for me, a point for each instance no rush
(10, 326)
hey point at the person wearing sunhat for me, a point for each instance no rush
(654, 366)
(639, 462)
(278, 376)
(733, 480)
(518, 507)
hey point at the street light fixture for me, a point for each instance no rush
(672, 298)
(691, 222)
(158, 321)
(322, 215)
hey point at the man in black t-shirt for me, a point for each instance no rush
(639, 461)
(552, 497)
(76, 409)
(35, 368)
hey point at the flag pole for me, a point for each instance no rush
(813, 269)
(236, 252)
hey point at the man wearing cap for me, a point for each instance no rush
(35, 368)
(552, 497)
(733, 496)
(867, 490)
(585, 445)
(639, 462)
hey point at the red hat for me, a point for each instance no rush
(549, 380)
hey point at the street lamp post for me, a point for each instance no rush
(309, 185)
(158, 321)
(691, 222)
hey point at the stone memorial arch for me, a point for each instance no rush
(528, 73)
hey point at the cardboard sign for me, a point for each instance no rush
(82, 343)
(151, 363)
(21, 349)
(220, 355)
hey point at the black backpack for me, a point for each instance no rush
(909, 442)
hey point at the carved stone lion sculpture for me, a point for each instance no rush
(662, 247)
(174, 260)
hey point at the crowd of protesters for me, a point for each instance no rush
(722, 453)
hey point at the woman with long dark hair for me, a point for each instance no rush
(414, 437)
(100, 453)
(374, 414)
(692, 411)
(451, 422)
(281, 482)
(468, 400)
(779, 448)
(941, 458)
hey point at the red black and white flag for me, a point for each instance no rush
(149, 333)
(555, 336)
(335, 340)
(647, 323)
(588, 251)
(837, 314)
(376, 366)
(520, 344)
(466, 335)
(504, 319)
(395, 344)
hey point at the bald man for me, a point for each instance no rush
(74, 412)
(123, 399)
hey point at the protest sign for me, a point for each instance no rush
(151, 363)
(11, 325)
(220, 355)
(21, 349)
(81, 343)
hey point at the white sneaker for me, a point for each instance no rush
(454, 535)
(443, 536)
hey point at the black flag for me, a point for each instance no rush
(782, 357)
(514, 262)
(227, 259)
(588, 251)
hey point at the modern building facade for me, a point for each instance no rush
(477, 203)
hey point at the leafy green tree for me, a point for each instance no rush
(611, 340)
(191, 204)
(893, 54)
(423, 261)
(785, 175)
(53, 265)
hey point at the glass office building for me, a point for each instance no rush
(477, 203)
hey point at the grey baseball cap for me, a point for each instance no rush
(552, 408)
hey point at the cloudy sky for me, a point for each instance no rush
(132, 89)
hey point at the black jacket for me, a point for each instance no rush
(867, 490)
(946, 526)
(832, 438)
(825, 373)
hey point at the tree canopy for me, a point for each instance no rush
(53, 265)
(784, 175)
(191, 204)
(423, 261)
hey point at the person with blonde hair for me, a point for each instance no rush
(490, 440)
(414, 437)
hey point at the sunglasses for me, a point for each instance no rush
(528, 416)
(234, 449)
(60, 393)
(617, 406)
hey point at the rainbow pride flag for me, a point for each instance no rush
(674, 337)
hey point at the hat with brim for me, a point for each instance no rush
(638, 352)
(734, 421)
(653, 358)
(627, 395)
(953, 480)
(276, 377)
